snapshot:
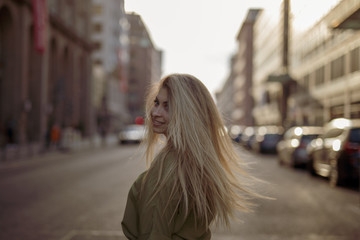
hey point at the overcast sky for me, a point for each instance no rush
(198, 36)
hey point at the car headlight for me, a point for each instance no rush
(336, 145)
(295, 143)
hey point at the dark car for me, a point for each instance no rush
(291, 149)
(266, 139)
(248, 136)
(235, 132)
(336, 153)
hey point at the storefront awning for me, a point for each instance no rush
(280, 78)
(352, 21)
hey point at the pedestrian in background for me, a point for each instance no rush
(193, 180)
(55, 135)
(10, 131)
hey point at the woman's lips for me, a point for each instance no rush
(157, 123)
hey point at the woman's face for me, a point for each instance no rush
(160, 112)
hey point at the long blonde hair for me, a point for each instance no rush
(206, 164)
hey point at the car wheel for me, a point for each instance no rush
(310, 167)
(335, 177)
(293, 162)
(280, 161)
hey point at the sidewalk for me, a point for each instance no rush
(14, 155)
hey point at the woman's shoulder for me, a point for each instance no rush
(164, 158)
(140, 177)
(170, 155)
(163, 167)
(137, 184)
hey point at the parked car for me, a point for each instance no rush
(310, 150)
(235, 132)
(132, 134)
(248, 137)
(266, 139)
(291, 149)
(336, 153)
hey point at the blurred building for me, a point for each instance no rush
(69, 73)
(282, 80)
(110, 63)
(44, 71)
(224, 97)
(243, 68)
(144, 65)
(326, 67)
(236, 99)
(270, 67)
(305, 79)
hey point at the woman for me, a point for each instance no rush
(192, 182)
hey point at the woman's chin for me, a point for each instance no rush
(158, 130)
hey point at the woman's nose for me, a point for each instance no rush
(157, 111)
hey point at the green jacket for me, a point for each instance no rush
(155, 221)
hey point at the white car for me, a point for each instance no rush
(132, 134)
(336, 153)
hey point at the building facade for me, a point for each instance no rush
(235, 99)
(326, 66)
(144, 65)
(224, 97)
(110, 63)
(304, 79)
(44, 72)
(243, 83)
(267, 61)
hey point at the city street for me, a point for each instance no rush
(82, 195)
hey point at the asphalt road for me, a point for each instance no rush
(81, 196)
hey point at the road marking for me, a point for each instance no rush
(310, 236)
(93, 233)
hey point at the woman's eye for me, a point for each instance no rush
(156, 102)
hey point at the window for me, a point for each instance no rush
(337, 111)
(319, 76)
(306, 82)
(98, 61)
(338, 68)
(97, 27)
(355, 60)
(53, 6)
(97, 9)
(354, 135)
(97, 45)
(69, 12)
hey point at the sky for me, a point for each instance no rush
(198, 37)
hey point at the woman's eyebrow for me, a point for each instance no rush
(165, 102)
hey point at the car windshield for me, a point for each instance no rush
(333, 133)
(354, 135)
(272, 136)
(308, 138)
